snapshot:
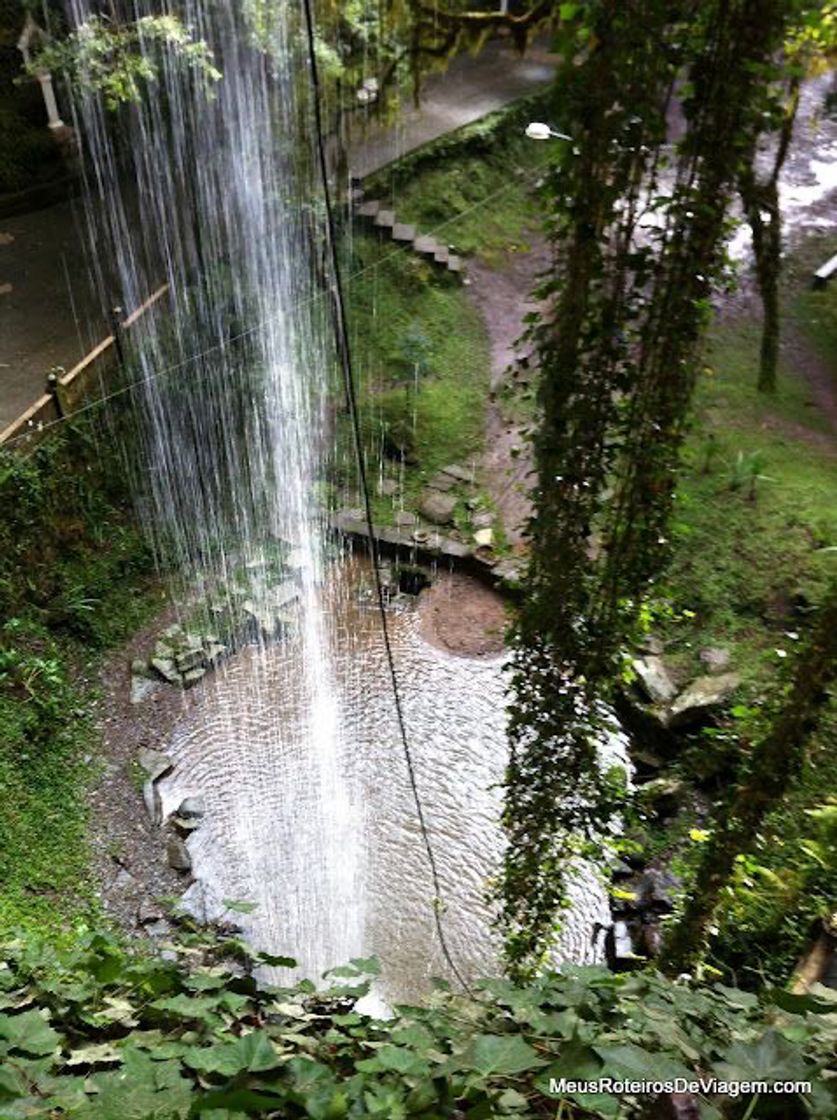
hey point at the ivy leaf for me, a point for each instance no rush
(29, 1033)
(501, 1055)
(635, 1063)
(252, 1053)
(771, 1058)
(11, 1085)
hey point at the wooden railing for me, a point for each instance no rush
(67, 392)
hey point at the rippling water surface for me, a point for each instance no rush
(243, 749)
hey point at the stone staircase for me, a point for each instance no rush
(386, 222)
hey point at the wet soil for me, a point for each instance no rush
(460, 615)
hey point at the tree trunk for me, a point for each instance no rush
(774, 765)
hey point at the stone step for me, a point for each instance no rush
(402, 232)
(425, 245)
(442, 255)
(454, 263)
(368, 209)
(356, 195)
(385, 219)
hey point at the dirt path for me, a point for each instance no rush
(502, 296)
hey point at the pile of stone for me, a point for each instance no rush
(180, 657)
(674, 708)
(179, 826)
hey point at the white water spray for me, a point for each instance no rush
(211, 192)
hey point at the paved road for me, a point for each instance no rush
(49, 313)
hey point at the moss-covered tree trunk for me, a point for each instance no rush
(774, 765)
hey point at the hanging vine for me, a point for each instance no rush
(638, 239)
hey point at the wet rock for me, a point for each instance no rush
(193, 676)
(437, 507)
(701, 699)
(458, 473)
(201, 903)
(192, 807)
(185, 825)
(215, 651)
(160, 929)
(149, 911)
(662, 796)
(441, 482)
(165, 666)
(654, 889)
(164, 651)
(191, 659)
(153, 802)
(653, 679)
(177, 854)
(154, 763)
(715, 659)
(141, 688)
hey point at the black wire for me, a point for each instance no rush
(341, 328)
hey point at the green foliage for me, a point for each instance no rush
(72, 571)
(402, 311)
(102, 1031)
(119, 59)
(618, 351)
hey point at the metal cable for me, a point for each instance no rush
(341, 327)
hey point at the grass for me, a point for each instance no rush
(484, 206)
(405, 314)
(74, 581)
(748, 560)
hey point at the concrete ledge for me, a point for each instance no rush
(499, 574)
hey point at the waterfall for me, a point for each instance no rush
(208, 187)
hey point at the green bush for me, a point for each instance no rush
(107, 1033)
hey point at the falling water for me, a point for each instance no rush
(207, 186)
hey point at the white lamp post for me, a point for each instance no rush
(537, 130)
(30, 31)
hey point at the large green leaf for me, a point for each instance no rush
(770, 1058)
(501, 1054)
(29, 1033)
(252, 1053)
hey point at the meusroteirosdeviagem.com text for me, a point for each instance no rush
(709, 1086)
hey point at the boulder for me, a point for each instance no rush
(166, 668)
(701, 699)
(653, 679)
(484, 538)
(651, 644)
(154, 763)
(437, 507)
(388, 487)
(192, 677)
(484, 519)
(714, 658)
(153, 802)
(141, 688)
(192, 807)
(458, 473)
(191, 659)
(140, 668)
(662, 796)
(177, 854)
(405, 518)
